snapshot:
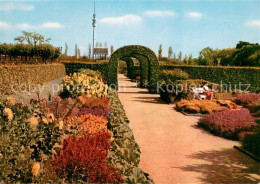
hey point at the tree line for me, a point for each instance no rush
(29, 45)
(244, 54)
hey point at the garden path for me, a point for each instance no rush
(174, 150)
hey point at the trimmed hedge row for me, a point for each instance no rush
(124, 151)
(75, 67)
(23, 75)
(132, 51)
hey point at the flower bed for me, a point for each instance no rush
(203, 106)
(228, 123)
(247, 98)
(83, 138)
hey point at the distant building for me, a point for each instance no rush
(100, 53)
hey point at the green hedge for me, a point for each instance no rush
(228, 75)
(20, 76)
(132, 51)
(124, 151)
(75, 67)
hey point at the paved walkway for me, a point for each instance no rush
(174, 150)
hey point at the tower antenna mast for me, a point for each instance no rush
(94, 25)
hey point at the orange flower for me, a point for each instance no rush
(9, 113)
(50, 117)
(60, 125)
(35, 168)
(33, 121)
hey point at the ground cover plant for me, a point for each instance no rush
(203, 106)
(228, 123)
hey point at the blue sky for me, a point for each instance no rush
(187, 26)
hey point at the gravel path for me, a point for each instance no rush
(174, 150)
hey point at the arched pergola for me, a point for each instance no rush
(149, 65)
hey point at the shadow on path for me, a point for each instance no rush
(224, 166)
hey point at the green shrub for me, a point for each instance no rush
(170, 76)
(124, 151)
(229, 76)
(26, 139)
(251, 143)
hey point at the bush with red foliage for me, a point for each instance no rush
(247, 98)
(84, 159)
(96, 111)
(228, 123)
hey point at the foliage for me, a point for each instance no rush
(227, 76)
(129, 51)
(247, 98)
(228, 123)
(32, 38)
(17, 76)
(170, 76)
(124, 151)
(251, 143)
(27, 137)
(204, 56)
(80, 83)
(45, 51)
(203, 106)
(84, 159)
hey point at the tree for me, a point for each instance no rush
(20, 39)
(174, 56)
(204, 56)
(180, 56)
(170, 52)
(78, 56)
(66, 49)
(97, 44)
(32, 38)
(100, 45)
(89, 50)
(76, 50)
(105, 45)
(111, 49)
(160, 52)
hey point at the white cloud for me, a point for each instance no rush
(53, 25)
(194, 14)
(126, 19)
(13, 6)
(24, 26)
(47, 25)
(158, 13)
(253, 23)
(4, 25)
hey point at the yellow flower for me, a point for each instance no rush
(36, 168)
(33, 121)
(71, 82)
(10, 100)
(68, 87)
(9, 113)
(60, 125)
(82, 91)
(1, 155)
(50, 117)
(44, 120)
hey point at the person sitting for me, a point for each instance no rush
(207, 91)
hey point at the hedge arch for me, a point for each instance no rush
(144, 67)
(130, 66)
(132, 51)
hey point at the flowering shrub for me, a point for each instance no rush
(27, 138)
(80, 83)
(85, 159)
(86, 124)
(203, 106)
(228, 123)
(96, 111)
(93, 102)
(247, 98)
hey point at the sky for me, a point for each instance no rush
(186, 25)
